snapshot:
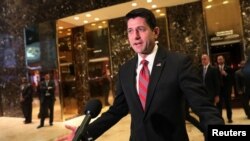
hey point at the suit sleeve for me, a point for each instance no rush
(28, 93)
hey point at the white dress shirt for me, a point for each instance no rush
(150, 58)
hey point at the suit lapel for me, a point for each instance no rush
(207, 72)
(131, 79)
(158, 66)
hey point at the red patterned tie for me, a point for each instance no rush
(143, 82)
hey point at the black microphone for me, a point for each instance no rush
(93, 108)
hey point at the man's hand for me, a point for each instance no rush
(223, 72)
(68, 137)
(216, 99)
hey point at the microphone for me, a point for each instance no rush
(93, 108)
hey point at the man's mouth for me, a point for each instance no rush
(137, 43)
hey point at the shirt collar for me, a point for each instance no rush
(221, 66)
(206, 66)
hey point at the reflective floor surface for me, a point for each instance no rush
(13, 129)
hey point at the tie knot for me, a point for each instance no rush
(144, 62)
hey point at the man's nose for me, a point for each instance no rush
(137, 34)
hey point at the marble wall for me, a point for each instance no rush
(80, 56)
(186, 28)
(15, 16)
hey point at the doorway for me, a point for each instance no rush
(231, 52)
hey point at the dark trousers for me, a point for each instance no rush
(47, 106)
(245, 103)
(27, 110)
(225, 97)
(106, 95)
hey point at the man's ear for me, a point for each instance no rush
(156, 32)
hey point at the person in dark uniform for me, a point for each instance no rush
(106, 86)
(26, 99)
(226, 83)
(241, 88)
(47, 99)
(211, 79)
(246, 74)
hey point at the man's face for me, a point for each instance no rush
(47, 77)
(204, 60)
(140, 36)
(220, 60)
(24, 80)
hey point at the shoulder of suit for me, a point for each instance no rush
(128, 64)
(163, 50)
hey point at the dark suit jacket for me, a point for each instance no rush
(171, 79)
(27, 94)
(240, 81)
(212, 82)
(246, 73)
(45, 89)
(226, 82)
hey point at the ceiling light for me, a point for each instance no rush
(149, 1)
(162, 14)
(97, 19)
(225, 2)
(93, 24)
(154, 6)
(210, 0)
(103, 22)
(85, 21)
(208, 6)
(158, 10)
(134, 4)
(60, 32)
(60, 27)
(88, 15)
(76, 18)
(99, 26)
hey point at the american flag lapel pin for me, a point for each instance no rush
(158, 64)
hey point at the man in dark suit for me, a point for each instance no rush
(240, 80)
(160, 116)
(246, 74)
(47, 99)
(226, 83)
(26, 99)
(210, 76)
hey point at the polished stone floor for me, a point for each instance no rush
(13, 129)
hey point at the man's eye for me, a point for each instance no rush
(130, 31)
(141, 29)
